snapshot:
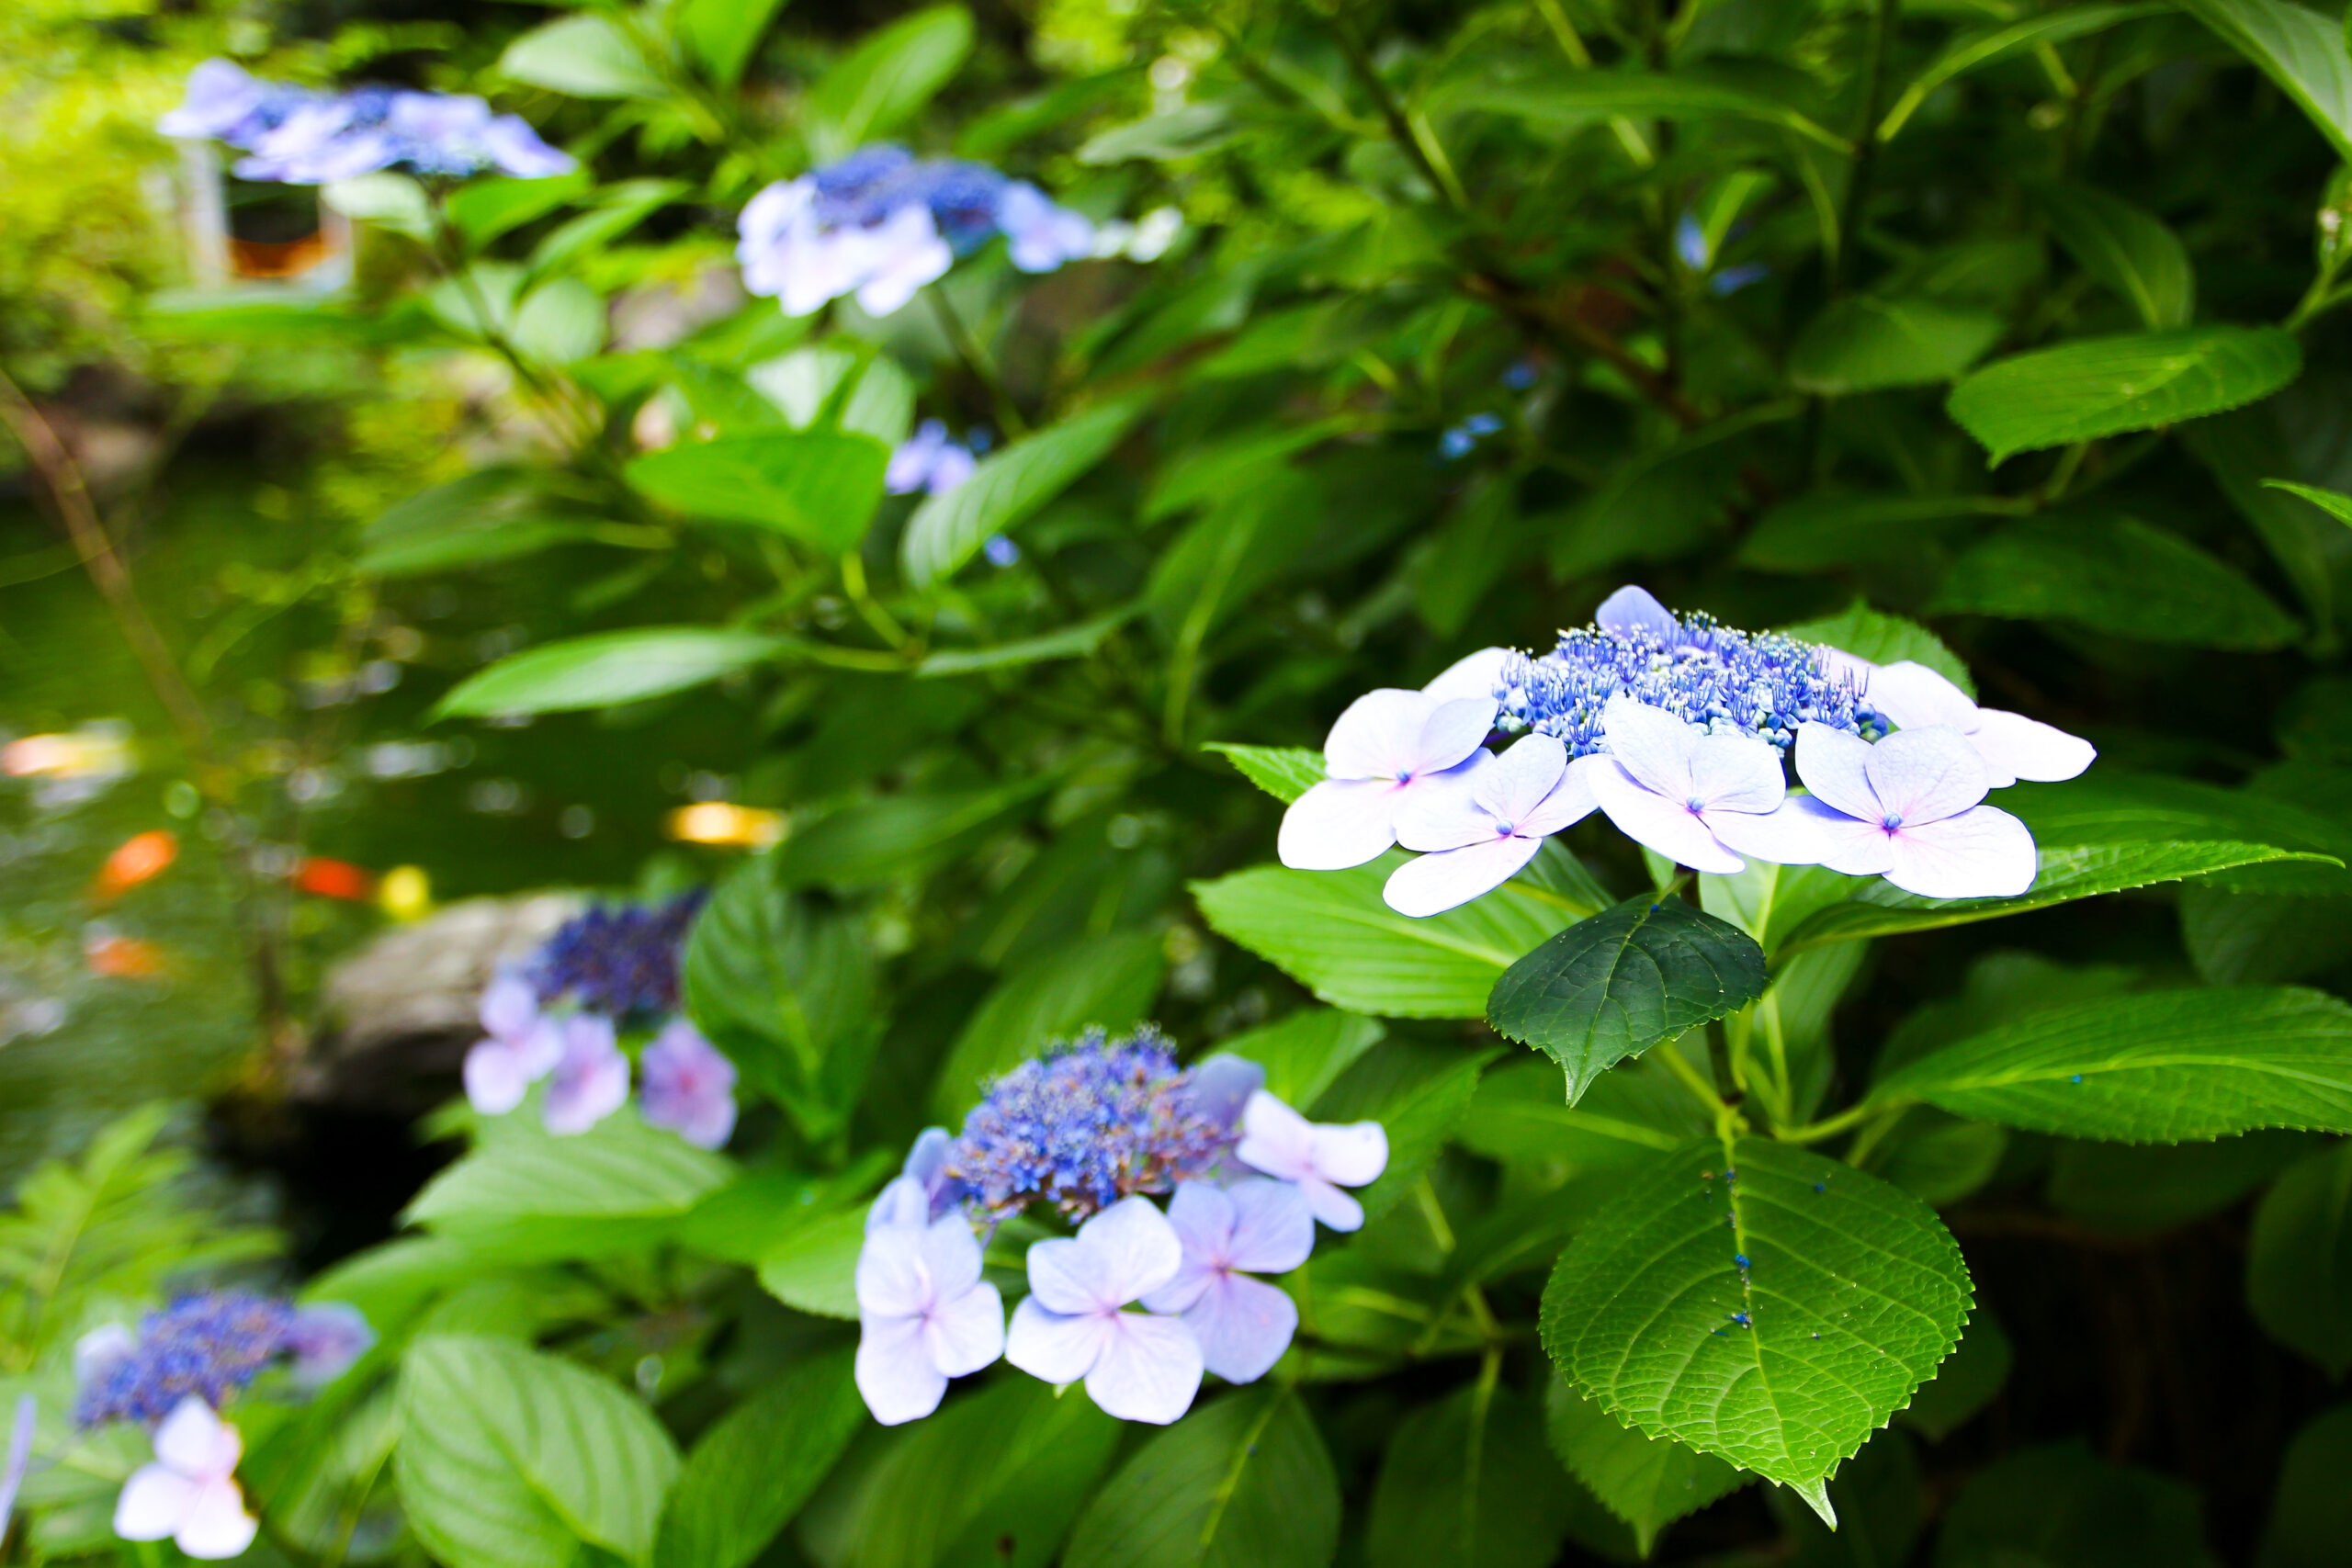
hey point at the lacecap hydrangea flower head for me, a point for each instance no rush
(1680, 731)
(881, 223)
(294, 136)
(1095, 1131)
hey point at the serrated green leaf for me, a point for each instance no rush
(1861, 344)
(2115, 575)
(2299, 1263)
(1647, 1482)
(1331, 931)
(2130, 251)
(1967, 1381)
(2160, 1067)
(1885, 639)
(606, 670)
(1283, 772)
(1617, 982)
(818, 486)
(2095, 386)
(1244, 1482)
(2335, 503)
(1008, 488)
(751, 1471)
(2300, 49)
(1854, 1292)
(511, 1458)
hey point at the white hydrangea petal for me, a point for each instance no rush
(1243, 1326)
(1452, 731)
(1193, 1277)
(893, 1278)
(1378, 736)
(1669, 827)
(1632, 609)
(1331, 1206)
(903, 1203)
(1983, 852)
(1433, 884)
(1203, 1217)
(1352, 1153)
(1138, 1247)
(966, 1331)
(952, 1255)
(99, 1350)
(1441, 811)
(1571, 800)
(1737, 773)
(1521, 779)
(196, 1442)
(895, 1374)
(152, 1503)
(1913, 696)
(1272, 1231)
(1652, 745)
(2014, 746)
(1274, 1139)
(1792, 834)
(217, 1525)
(1925, 775)
(509, 1006)
(1067, 1278)
(1852, 846)
(1339, 823)
(1475, 675)
(1834, 767)
(495, 1077)
(1149, 1371)
(1049, 1345)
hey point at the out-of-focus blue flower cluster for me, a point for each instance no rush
(210, 1347)
(294, 136)
(1703, 673)
(620, 959)
(881, 223)
(1085, 1126)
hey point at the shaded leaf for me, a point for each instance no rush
(1861, 344)
(1008, 488)
(1647, 1482)
(1244, 1482)
(584, 56)
(1885, 639)
(2301, 49)
(2298, 1265)
(751, 1471)
(818, 486)
(605, 670)
(2095, 386)
(1105, 981)
(886, 79)
(2115, 575)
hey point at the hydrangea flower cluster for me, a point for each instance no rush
(1674, 728)
(929, 461)
(172, 1375)
(606, 970)
(294, 136)
(881, 223)
(1093, 1130)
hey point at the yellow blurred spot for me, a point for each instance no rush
(99, 748)
(717, 822)
(137, 859)
(405, 892)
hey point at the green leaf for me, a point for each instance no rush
(758, 1463)
(2114, 806)
(560, 323)
(1568, 100)
(1862, 345)
(1419, 1094)
(1647, 1482)
(2144, 1189)
(1885, 639)
(2300, 50)
(1937, 1158)
(1071, 642)
(508, 1458)
(2299, 1264)
(1283, 772)
(1615, 983)
(2311, 1513)
(2059, 1504)
(1628, 1117)
(492, 514)
(618, 209)
(818, 486)
(903, 835)
(484, 209)
(887, 80)
(1966, 1383)
(784, 987)
(2160, 1067)
(605, 670)
(2077, 392)
(525, 1193)
(1468, 1482)
(995, 1478)
(723, 33)
(2139, 259)
(1853, 1292)
(815, 1267)
(586, 57)
(1330, 930)
(2037, 31)
(2115, 575)
(1831, 533)
(2069, 872)
(1007, 488)
(1244, 1482)
(1106, 981)
(1304, 1052)
(2335, 503)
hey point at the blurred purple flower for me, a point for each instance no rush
(689, 1087)
(20, 1460)
(618, 959)
(296, 137)
(590, 1080)
(190, 1492)
(924, 1316)
(928, 460)
(1072, 1324)
(1456, 442)
(1228, 1233)
(326, 1339)
(1319, 1157)
(1001, 551)
(520, 1047)
(922, 1190)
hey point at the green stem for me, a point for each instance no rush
(1830, 1126)
(1858, 175)
(1701, 1090)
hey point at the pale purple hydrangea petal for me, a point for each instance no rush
(1273, 1232)
(1789, 834)
(895, 1372)
(1519, 781)
(2015, 747)
(1453, 732)
(1925, 775)
(1443, 812)
(518, 150)
(1447, 879)
(1242, 1326)
(1317, 1158)
(1217, 1087)
(965, 1332)
(902, 1205)
(1632, 609)
(220, 93)
(1148, 1368)
(1471, 678)
(689, 1087)
(152, 1503)
(100, 1350)
(1844, 843)
(326, 1339)
(902, 254)
(924, 1316)
(190, 1492)
(1071, 1326)
(217, 1526)
(1982, 852)
(591, 1081)
(1653, 746)
(509, 1006)
(1668, 825)
(1736, 775)
(1905, 808)
(496, 1077)
(1043, 235)
(1377, 736)
(20, 1460)
(1834, 767)
(1339, 823)
(1912, 695)
(1059, 1348)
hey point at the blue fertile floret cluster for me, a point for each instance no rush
(210, 1346)
(1731, 681)
(1085, 1126)
(618, 960)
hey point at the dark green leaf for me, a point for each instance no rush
(886, 79)
(1615, 983)
(1630, 1116)
(1419, 1094)
(2140, 260)
(1106, 981)
(751, 1471)
(1071, 642)
(2335, 503)
(818, 486)
(2036, 31)
(2160, 1067)
(1283, 772)
(1966, 1383)
(2058, 1504)
(1825, 532)
(1008, 488)
(723, 33)
(2300, 50)
(2114, 575)
(1852, 1290)
(1468, 1482)
(1862, 345)
(1305, 1051)
(1647, 1482)
(2299, 1266)
(1885, 639)
(2078, 392)
(484, 209)
(2311, 1513)
(526, 1193)
(2142, 1189)
(905, 835)
(1242, 1482)
(606, 670)
(1567, 100)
